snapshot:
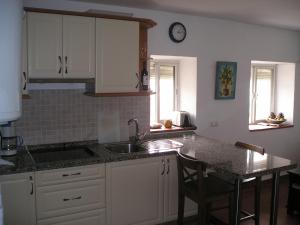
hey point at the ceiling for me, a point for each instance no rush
(276, 13)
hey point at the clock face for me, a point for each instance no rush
(177, 32)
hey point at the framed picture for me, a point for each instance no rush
(225, 80)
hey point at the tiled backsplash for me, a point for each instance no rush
(53, 116)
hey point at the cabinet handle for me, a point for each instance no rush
(25, 81)
(164, 166)
(75, 174)
(72, 174)
(31, 192)
(66, 199)
(168, 169)
(60, 61)
(77, 198)
(66, 64)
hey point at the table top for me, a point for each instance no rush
(234, 161)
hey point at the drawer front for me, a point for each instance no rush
(64, 175)
(95, 217)
(59, 200)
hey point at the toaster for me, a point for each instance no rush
(181, 119)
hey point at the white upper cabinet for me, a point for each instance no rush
(117, 55)
(60, 46)
(44, 45)
(79, 46)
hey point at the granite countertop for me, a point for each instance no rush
(236, 162)
(227, 158)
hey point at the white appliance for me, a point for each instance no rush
(181, 119)
(11, 12)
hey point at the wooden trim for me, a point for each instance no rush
(148, 23)
(173, 129)
(26, 96)
(121, 94)
(61, 80)
(254, 127)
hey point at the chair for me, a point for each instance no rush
(201, 189)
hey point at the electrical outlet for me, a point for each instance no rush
(214, 124)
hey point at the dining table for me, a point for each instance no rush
(238, 164)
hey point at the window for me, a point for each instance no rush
(262, 92)
(163, 81)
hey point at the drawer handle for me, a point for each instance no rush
(72, 174)
(77, 198)
(75, 174)
(69, 199)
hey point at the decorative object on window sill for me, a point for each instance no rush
(273, 119)
(225, 80)
(155, 126)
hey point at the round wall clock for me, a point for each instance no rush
(177, 32)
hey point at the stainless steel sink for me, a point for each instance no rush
(125, 148)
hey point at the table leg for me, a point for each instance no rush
(237, 202)
(275, 197)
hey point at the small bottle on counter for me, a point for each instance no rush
(145, 77)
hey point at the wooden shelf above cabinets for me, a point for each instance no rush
(147, 23)
(121, 94)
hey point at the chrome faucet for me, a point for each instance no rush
(138, 137)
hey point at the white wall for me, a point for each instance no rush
(212, 40)
(285, 83)
(188, 86)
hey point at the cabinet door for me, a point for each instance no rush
(79, 47)
(18, 199)
(44, 45)
(171, 193)
(135, 192)
(117, 55)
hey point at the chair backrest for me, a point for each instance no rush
(252, 147)
(190, 170)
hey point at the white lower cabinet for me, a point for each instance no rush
(95, 217)
(135, 192)
(71, 196)
(18, 199)
(143, 191)
(171, 192)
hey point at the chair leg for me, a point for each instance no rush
(202, 213)
(231, 208)
(257, 200)
(180, 217)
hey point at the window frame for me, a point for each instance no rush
(157, 64)
(253, 90)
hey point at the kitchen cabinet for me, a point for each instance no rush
(18, 198)
(135, 192)
(60, 46)
(71, 196)
(171, 192)
(117, 55)
(143, 191)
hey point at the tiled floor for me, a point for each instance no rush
(283, 218)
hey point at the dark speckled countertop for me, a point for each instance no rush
(220, 156)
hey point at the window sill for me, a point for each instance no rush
(174, 128)
(264, 126)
